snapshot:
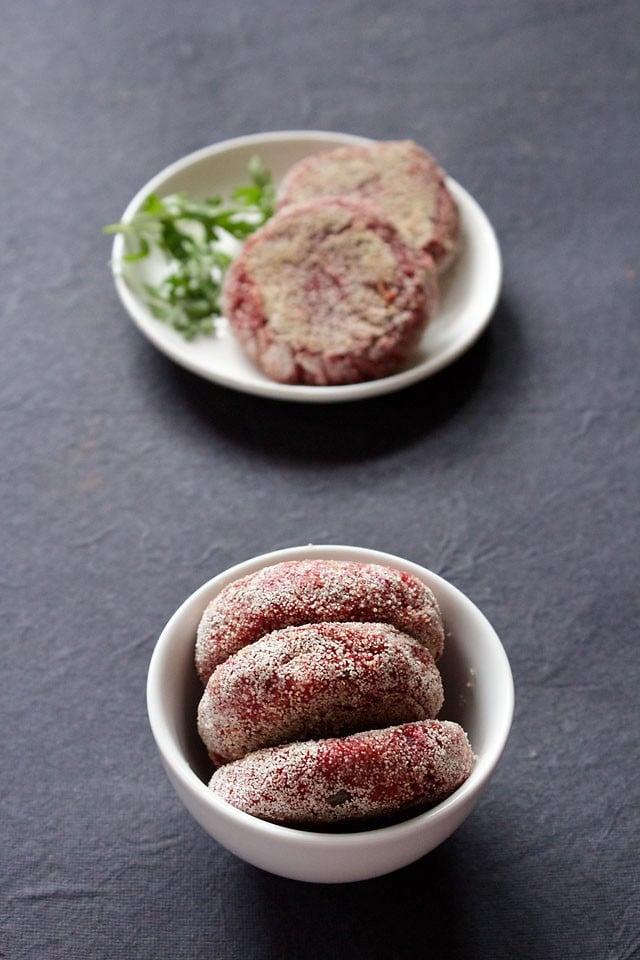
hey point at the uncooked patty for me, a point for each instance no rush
(402, 178)
(316, 680)
(347, 779)
(295, 592)
(328, 292)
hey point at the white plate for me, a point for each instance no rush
(469, 294)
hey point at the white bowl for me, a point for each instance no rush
(479, 695)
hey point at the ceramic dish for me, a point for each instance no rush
(478, 694)
(469, 294)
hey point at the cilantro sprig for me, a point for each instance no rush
(194, 239)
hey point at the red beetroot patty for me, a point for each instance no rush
(296, 592)
(316, 680)
(402, 178)
(327, 292)
(371, 774)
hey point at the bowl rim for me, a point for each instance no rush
(178, 767)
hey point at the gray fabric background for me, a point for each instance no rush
(127, 482)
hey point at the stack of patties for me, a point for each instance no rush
(322, 692)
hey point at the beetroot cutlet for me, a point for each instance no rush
(400, 177)
(296, 592)
(316, 680)
(349, 779)
(328, 292)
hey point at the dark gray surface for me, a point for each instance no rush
(127, 482)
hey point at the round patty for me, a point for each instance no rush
(296, 592)
(402, 178)
(327, 292)
(316, 680)
(346, 779)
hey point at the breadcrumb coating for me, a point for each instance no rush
(349, 779)
(316, 680)
(298, 592)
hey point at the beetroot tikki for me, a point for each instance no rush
(316, 680)
(298, 592)
(329, 292)
(400, 177)
(350, 779)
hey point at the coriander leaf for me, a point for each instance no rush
(193, 237)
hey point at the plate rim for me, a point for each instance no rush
(154, 330)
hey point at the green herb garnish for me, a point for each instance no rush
(195, 237)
